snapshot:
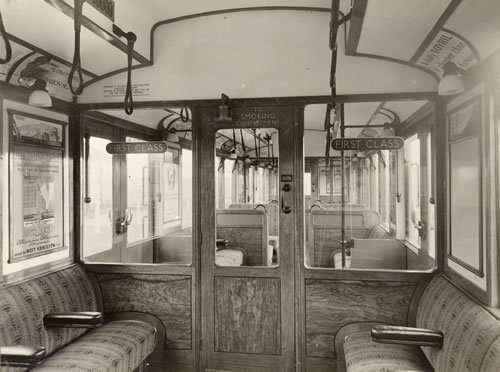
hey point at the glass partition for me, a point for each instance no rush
(369, 203)
(137, 205)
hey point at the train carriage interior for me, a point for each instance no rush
(227, 186)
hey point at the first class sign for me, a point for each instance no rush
(151, 147)
(372, 143)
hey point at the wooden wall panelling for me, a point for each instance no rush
(314, 364)
(168, 297)
(332, 304)
(247, 315)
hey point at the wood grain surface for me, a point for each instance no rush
(168, 297)
(332, 304)
(247, 315)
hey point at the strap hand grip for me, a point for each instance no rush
(285, 208)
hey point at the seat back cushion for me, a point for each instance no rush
(22, 307)
(471, 334)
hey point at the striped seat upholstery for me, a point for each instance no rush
(471, 338)
(471, 334)
(364, 355)
(118, 345)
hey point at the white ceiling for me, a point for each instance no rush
(264, 53)
(245, 55)
(395, 28)
(479, 22)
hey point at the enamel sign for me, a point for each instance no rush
(373, 143)
(151, 147)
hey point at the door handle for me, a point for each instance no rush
(285, 208)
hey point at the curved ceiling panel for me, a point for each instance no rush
(395, 28)
(145, 14)
(245, 55)
(479, 23)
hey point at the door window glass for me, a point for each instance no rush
(247, 220)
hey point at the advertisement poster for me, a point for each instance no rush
(36, 186)
(35, 130)
(171, 186)
(37, 210)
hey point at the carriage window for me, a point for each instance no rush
(98, 230)
(412, 187)
(247, 210)
(367, 206)
(138, 203)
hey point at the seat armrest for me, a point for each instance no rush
(73, 320)
(22, 356)
(407, 335)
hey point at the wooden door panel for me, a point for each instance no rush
(247, 315)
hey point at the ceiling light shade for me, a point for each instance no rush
(451, 83)
(39, 97)
(233, 156)
(224, 114)
(248, 160)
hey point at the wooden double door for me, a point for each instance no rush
(247, 313)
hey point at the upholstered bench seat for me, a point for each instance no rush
(117, 345)
(470, 337)
(120, 345)
(362, 354)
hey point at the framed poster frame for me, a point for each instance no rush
(36, 186)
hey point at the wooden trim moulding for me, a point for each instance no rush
(367, 275)
(127, 268)
(305, 100)
(101, 117)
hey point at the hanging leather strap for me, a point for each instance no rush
(184, 115)
(77, 67)
(8, 47)
(128, 103)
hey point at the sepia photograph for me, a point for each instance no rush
(250, 186)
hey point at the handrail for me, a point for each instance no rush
(8, 47)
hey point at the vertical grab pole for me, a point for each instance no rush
(342, 185)
(86, 197)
